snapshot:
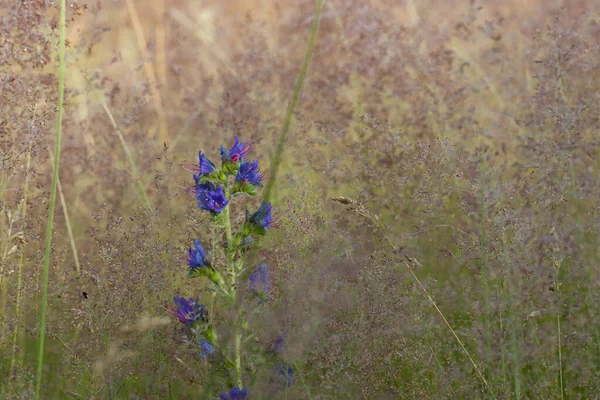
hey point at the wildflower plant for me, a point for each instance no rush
(215, 187)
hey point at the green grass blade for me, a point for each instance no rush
(21, 262)
(285, 128)
(134, 170)
(61, 94)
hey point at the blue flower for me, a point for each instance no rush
(236, 394)
(262, 217)
(206, 349)
(196, 260)
(236, 153)
(197, 257)
(188, 310)
(249, 173)
(259, 282)
(211, 198)
(204, 167)
(287, 372)
(279, 343)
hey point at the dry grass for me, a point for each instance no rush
(469, 128)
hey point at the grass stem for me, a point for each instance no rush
(287, 122)
(20, 269)
(61, 95)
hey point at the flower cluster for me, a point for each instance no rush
(214, 188)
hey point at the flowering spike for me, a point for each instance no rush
(211, 197)
(235, 394)
(188, 310)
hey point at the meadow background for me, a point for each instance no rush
(470, 128)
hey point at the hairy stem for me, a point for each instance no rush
(233, 276)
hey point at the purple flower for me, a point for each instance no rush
(211, 198)
(279, 343)
(236, 153)
(187, 310)
(249, 173)
(206, 349)
(262, 217)
(196, 257)
(204, 166)
(236, 394)
(196, 260)
(287, 372)
(259, 282)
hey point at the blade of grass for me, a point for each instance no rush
(61, 94)
(161, 42)
(510, 308)
(20, 268)
(287, 122)
(149, 69)
(128, 155)
(485, 272)
(63, 203)
(3, 280)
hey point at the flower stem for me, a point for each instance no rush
(232, 271)
(238, 361)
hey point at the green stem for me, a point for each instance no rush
(485, 273)
(21, 260)
(61, 95)
(233, 275)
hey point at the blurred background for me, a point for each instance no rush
(470, 128)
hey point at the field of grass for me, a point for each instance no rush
(438, 196)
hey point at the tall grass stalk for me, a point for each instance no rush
(557, 284)
(63, 203)
(5, 254)
(287, 122)
(129, 156)
(485, 273)
(512, 320)
(20, 268)
(61, 95)
(149, 69)
(502, 344)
